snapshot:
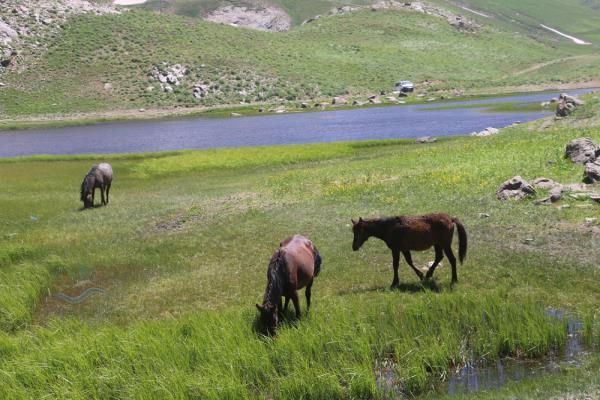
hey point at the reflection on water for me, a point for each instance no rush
(473, 378)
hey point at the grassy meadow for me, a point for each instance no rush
(183, 247)
(579, 18)
(358, 53)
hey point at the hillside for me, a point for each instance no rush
(122, 61)
(578, 18)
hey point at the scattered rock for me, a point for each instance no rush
(343, 10)
(304, 105)
(544, 183)
(308, 21)
(581, 150)
(566, 105)
(591, 173)
(458, 21)
(169, 76)
(577, 187)
(374, 100)
(339, 100)
(515, 188)
(486, 132)
(234, 114)
(426, 139)
(108, 87)
(484, 215)
(6, 30)
(27, 25)
(391, 99)
(358, 103)
(265, 18)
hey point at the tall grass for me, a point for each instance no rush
(329, 354)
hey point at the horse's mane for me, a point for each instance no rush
(277, 267)
(85, 185)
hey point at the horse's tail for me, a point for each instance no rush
(318, 261)
(462, 240)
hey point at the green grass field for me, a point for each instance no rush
(358, 53)
(579, 18)
(183, 247)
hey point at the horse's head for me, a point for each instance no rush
(87, 191)
(360, 235)
(269, 317)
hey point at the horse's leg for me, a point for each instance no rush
(287, 302)
(102, 194)
(452, 259)
(409, 261)
(438, 257)
(296, 302)
(395, 263)
(279, 309)
(93, 195)
(308, 294)
(107, 190)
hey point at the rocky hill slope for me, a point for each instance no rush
(75, 56)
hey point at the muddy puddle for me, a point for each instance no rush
(475, 377)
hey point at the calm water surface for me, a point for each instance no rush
(329, 126)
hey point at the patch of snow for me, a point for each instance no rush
(475, 12)
(574, 39)
(128, 2)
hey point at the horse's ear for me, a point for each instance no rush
(353, 221)
(259, 307)
(360, 219)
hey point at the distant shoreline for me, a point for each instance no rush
(226, 110)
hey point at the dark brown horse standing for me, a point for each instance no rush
(99, 176)
(292, 267)
(404, 233)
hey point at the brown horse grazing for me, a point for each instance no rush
(292, 267)
(99, 176)
(404, 233)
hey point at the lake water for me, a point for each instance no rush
(390, 122)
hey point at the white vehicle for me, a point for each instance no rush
(405, 86)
